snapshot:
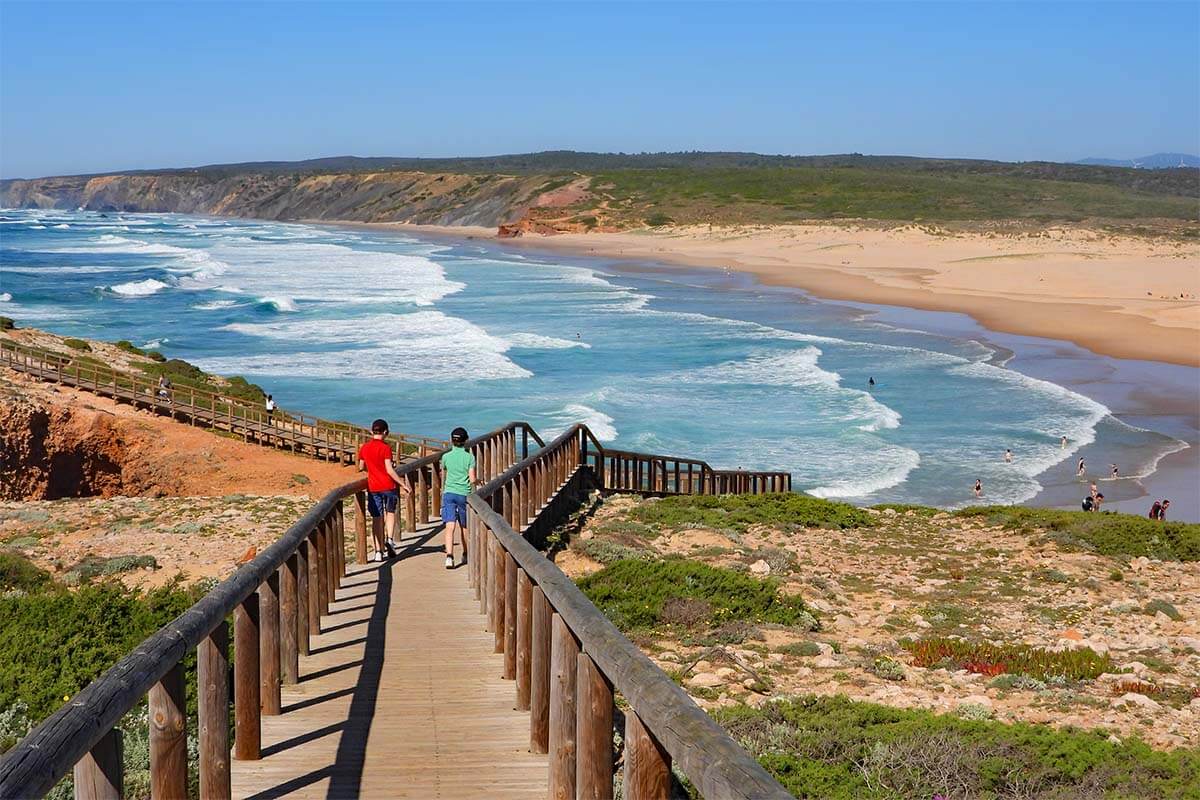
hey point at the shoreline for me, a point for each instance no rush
(1103, 292)
(1173, 408)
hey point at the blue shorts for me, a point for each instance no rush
(454, 509)
(379, 503)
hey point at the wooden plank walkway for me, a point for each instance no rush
(401, 697)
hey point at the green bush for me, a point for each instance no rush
(901, 508)
(154, 355)
(739, 511)
(607, 552)
(130, 347)
(55, 642)
(78, 344)
(1107, 534)
(835, 749)
(1155, 606)
(7, 324)
(807, 649)
(658, 220)
(633, 594)
(995, 659)
(18, 572)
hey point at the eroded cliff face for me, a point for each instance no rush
(416, 197)
(51, 452)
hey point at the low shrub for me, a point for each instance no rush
(129, 347)
(636, 594)
(7, 324)
(904, 508)
(1159, 605)
(1108, 534)
(607, 552)
(1009, 681)
(54, 642)
(78, 344)
(997, 659)
(806, 649)
(836, 749)
(974, 711)
(18, 572)
(887, 668)
(740, 511)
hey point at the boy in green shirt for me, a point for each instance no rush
(458, 467)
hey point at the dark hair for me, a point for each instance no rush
(1100, 495)
(379, 426)
(458, 435)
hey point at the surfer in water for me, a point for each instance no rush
(1063, 445)
(1115, 472)
(871, 381)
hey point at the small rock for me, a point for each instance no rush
(1160, 618)
(977, 700)
(726, 672)
(760, 567)
(1189, 643)
(1136, 667)
(1139, 700)
(843, 621)
(1071, 634)
(889, 512)
(705, 680)
(826, 662)
(668, 655)
(1122, 606)
(874, 512)
(921, 622)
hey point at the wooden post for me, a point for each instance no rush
(302, 602)
(268, 645)
(593, 732)
(423, 494)
(100, 774)
(510, 617)
(289, 651)
(322, 568)
(564, 653)
(485, 573)
(314, 585)
(168, 737)
(410, 504)
(524, 632)
(247, 739)
(212, 681)
(339, 516)
(647, 764)
(498, 594)
(539, 673)
(360, 525)
(331, 580)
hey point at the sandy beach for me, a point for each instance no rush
(1120, 296)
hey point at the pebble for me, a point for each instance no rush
(760, 567)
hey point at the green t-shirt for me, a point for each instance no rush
(458, 463)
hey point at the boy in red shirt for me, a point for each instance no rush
(383, 486)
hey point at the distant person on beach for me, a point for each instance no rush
(383, 488)
(1008, 456)
(164, 387)
(458, 465)
(1080, 469)
(978, 488)
(1094, 490)
(1092, 503)
(270, 405)
(1063, 445)
(1115, 474)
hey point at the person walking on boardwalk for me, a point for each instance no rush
(383, 488)
(270, 406)
(458, 466)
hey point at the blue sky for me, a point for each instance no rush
(103, 86)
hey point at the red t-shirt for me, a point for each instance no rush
(375, 454)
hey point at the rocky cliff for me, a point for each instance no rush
(417, 197)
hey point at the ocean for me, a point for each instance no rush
(356, 324)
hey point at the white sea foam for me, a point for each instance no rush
(5, 297)
(154, 344)
(790, 368)
(62, 227)
(421, 346)
(886, 468)
(534, 341)
(214, 305)
(600, 424)
(138, 288)
(110, 244)
(38, 227)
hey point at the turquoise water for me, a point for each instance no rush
(353, 325)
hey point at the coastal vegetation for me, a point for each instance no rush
(837, 749)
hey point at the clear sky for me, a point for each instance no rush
(101, 86)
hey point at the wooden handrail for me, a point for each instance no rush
(327, 439)
(663, 724)
(286, 589)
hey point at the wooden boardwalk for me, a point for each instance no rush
(401, 697)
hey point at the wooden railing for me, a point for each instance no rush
(320, 438)
(277, 601)
(568, 660)
(623, 471)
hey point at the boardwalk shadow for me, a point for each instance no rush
(345, 774)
